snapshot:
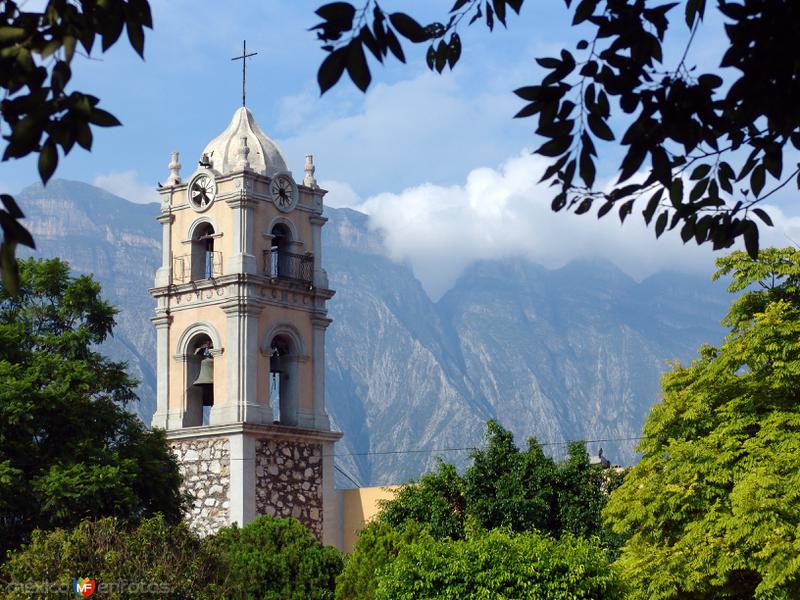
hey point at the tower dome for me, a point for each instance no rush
(264, 156)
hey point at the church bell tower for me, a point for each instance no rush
(240, 320)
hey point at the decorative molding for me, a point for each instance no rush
(193, 330)
(240, 201)
(280, 219)
(160, 321)
(319, 322)
(288, 329)
(200, 221)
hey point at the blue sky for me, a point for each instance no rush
(429, 157)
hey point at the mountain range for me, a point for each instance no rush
(565, 354)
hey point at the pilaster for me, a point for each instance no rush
(242, 490)
(241, 350)
(161, 416)
(332, 507)
(320, 418)
(242, 260)
(320, 278)
(164, 272)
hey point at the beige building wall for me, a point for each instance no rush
(359, 507)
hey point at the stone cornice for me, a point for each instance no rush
(240, 305)
(161, 320)
(165, 218)
(241, 201)
(246, 279)
(282, 432)
(320, 322)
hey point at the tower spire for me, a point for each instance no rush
(244, 58)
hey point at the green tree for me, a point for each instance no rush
(377, 546)
(711, 152)
(505, 487)
(154, 559)
(712, 510)
(436, 500)
(275, 559)
(500, 564)
(37, 48)
(509, 488)
(68, 448)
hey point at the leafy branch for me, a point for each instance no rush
(38, 113)
(676, 118)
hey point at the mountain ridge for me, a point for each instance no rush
(558, 354)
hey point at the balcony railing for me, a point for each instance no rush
(209, 265)
(287, 265)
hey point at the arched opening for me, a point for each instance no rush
(199, 381)
(279, 253)
(205, 263)
(283, 380)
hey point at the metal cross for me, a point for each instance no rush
(244, 58)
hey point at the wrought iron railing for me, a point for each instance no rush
(210, 265)
(287, 265)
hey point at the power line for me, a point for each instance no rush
(353, 481)
(433, 450)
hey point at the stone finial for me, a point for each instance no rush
(174, 167)
(243, 164)
(309, 180)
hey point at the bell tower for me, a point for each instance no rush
(240, 321)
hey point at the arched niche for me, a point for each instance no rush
(284, 347)
(205, 259)
(197, 343)
(283, 242)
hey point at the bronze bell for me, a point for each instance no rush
(205, 379)
(206, 376)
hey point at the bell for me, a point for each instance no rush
(206, 376)
(275, 364)
(205, 379)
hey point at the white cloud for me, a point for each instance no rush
(499, 213)
(127, 185)
(429, 128)
(340, 194)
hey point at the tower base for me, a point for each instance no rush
(234, 473)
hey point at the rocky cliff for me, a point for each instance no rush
(574, 353)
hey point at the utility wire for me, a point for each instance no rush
(353, 481)
(432, 450)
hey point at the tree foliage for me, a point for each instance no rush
(500, 564)
(266, 559)
(377, 546)
(506, 487)
(710, 152)
(275, 559)
(37, 48)
(154, 559)
(713, 508)
(68, 448)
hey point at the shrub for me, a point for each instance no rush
(500, 565)
(275, 559)
(168, 560)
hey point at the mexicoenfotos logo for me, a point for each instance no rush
(83, 586)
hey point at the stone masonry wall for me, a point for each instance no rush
(205, 465)
(289, 481)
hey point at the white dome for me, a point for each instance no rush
(223, 151)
